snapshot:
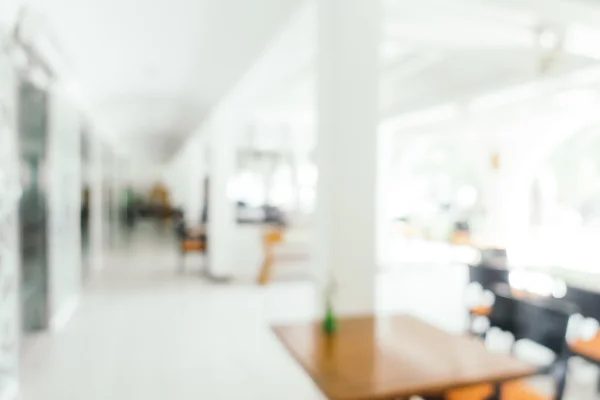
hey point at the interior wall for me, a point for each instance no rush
(9, 240)
(64, 197)
(185, 179)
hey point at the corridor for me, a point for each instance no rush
(144, 332)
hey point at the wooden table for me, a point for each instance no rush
(394, 357)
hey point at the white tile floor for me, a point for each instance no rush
(143, 332)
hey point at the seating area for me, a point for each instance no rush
(565, 323)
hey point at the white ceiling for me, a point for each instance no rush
(435, 52)
(150, 71)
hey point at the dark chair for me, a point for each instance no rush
(495, 257)
(487, 277)
(502, 314)
(187, 242)
(587, 301)
(589, 304)
(544, 323)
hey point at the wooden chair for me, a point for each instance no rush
(544, 324)
(190, 241)
(282, 245)
(271, 238)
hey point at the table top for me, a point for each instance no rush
(397, 356)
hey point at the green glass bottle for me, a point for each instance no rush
(330, 321)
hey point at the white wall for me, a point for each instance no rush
(185, 178)
(9, 238)
(64, 197)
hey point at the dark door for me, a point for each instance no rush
(33, 108)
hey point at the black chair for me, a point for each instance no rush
(543, 322)
(495, 257)
(587, 301)
(487, 276)
(589, 304)
(540, 322)
(502, 315)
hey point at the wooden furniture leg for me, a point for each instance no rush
(266, 270)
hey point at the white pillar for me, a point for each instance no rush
(64, 200)
(96, 202)
(293, 156)
(117, 183)
(385, 154)
(221, 208)
(347, 87)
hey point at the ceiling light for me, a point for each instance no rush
(548, 39)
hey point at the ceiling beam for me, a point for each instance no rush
(540, 86)
(564, 11)
(483, 12)
(452, 35)
(473, 24)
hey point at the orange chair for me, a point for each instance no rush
(461, 238)
(588, 349)
(271, 238)
(193, 245)
(517, 390)
(480, 311)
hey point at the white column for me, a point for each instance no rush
(96, 202)
(64, 200)
(221, 208)
(117, 183)
(347, 87)
(293, 155)
(385, 154)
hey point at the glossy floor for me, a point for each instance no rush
(144, 332)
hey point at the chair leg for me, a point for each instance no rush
(497, 393)
(560, 388)
(266, 270)
(560, 374)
